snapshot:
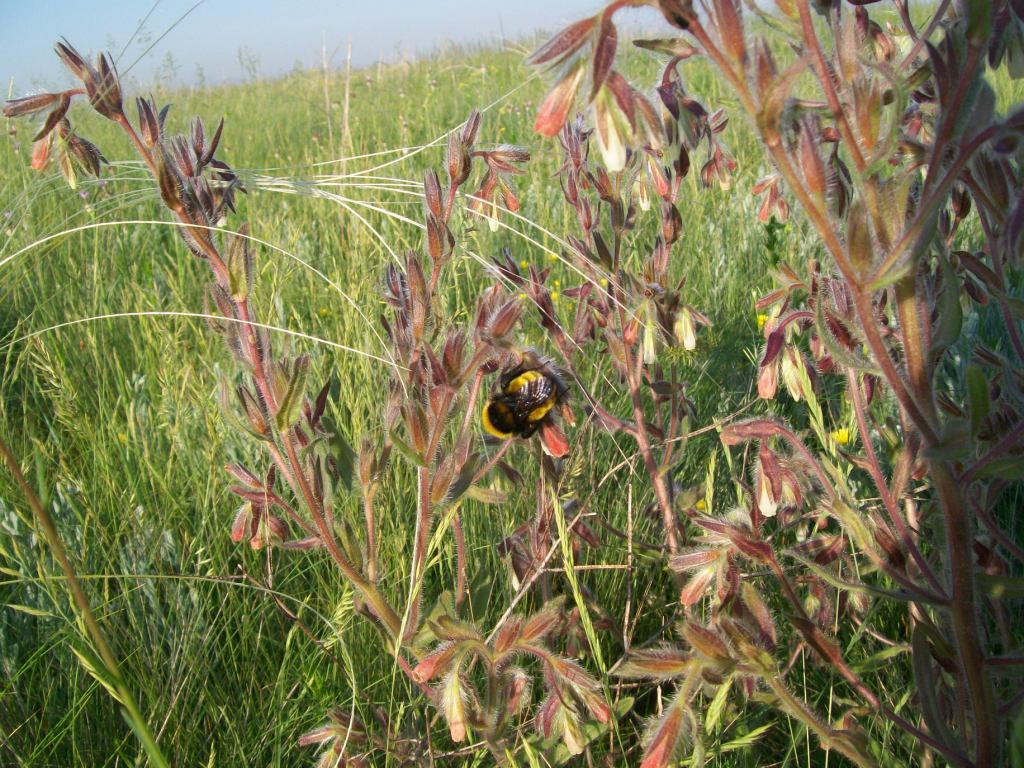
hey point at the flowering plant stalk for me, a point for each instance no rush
(866, 128)
(435, 388)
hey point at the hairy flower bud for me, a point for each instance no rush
(504, 320)
(795, 374)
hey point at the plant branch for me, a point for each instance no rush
(875, 469)
(828, 86)
(818, 642)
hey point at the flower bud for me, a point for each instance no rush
(794, 373)
(504, 320)
(768, 380)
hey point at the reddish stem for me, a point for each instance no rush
(828, 86)
(891, 504)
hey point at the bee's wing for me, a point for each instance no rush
(533, 395)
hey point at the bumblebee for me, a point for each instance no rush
(525, 399)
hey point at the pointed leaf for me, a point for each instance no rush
(604, 53)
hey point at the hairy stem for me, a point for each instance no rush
(964, 607)
(371, 537)
(828, 86)
(419, 553)
(829, 737)
(891, 504)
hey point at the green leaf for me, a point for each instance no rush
(852, 522)
(867, 589)
(568, 565)
(483, 584)
(341, 451)
(38, 612)
(486, 495)
(1017, 742)
(1015, 305)
(444, 606)
(955, 442)
(43, 485)
(717, 706)
(1010, 468)
(895, 273)
(462, 481)
(289, 410)
(979, 23)
(877, 660)
(950, 312)
(977, 397)
(746, 740)
(67, 166)
(239, 262)
(531, 756)
(96, 669)
(407, 451)
(858, 237)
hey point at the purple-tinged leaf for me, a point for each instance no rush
(666, 737)
(52, 119)
(28, 105)
(662, 663)
(691, 560)
(604, 53)
(695, 589)
(730, 27)
(706, 642)
(564, 44)
(752, 429)
(555, 108)
(544, 621)
(72, 60)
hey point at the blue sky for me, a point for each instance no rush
(274, 33)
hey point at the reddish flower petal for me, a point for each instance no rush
(553, 440)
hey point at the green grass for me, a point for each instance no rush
(122, 418)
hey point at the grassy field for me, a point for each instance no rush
(119, 417)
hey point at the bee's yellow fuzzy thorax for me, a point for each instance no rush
(521, 381)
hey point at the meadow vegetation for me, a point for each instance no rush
(113, 375)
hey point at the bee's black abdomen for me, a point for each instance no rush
(500, 419)
(525, 398)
